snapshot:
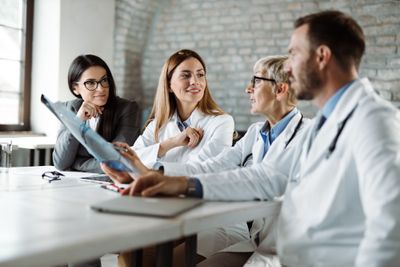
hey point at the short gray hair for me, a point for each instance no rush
(274, 68)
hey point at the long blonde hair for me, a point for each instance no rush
(164, 105)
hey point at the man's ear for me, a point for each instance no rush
(323, 56)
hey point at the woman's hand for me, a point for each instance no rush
(190, 137)
(89, 110)
(116, 176)
(125, 177)
(128, 153)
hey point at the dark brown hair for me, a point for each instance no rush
(78, 66)
(340, 32)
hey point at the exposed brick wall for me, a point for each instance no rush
(133, 22)
(232, 35)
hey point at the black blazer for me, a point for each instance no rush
(69, 154)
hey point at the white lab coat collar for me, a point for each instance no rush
(290, 128)
(328, 131)
(286, 134)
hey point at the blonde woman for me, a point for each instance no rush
(185, 123)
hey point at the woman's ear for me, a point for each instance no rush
(281, 90)
(75, 89)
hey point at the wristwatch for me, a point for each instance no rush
(191, 189)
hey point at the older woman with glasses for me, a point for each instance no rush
(116, 119)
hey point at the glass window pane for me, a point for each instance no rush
(15, 59)
(10, 76)
(11, 13)
(9, 104)
(10, 92)
(10, 45)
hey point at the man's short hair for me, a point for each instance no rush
(340, 32)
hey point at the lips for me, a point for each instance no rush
(193, 90)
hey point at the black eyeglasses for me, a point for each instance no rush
(255, 78)
(51, 176)
(92, 85)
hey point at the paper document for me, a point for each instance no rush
(96, 145)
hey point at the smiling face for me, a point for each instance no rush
(188, 82)
(99, 96)
(302, 66)
(262, 96)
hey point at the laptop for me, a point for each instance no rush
(154, 206)
(100, 179)
(95, 144)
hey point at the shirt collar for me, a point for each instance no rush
(331, 104)
(187, 123)
(278, 128)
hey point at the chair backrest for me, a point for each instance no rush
(237, 135)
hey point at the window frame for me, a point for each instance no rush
(26, 73)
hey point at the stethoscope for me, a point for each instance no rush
(332, 146)
(296, 129)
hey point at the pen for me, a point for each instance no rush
(111, 187)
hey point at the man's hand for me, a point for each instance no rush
(89, 110)
(154, 183)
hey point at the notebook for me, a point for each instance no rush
(154, 206)
(95, 144)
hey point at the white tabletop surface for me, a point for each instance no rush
(46, 224)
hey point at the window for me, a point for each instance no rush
(16, 23)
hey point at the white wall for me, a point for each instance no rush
(64, 29)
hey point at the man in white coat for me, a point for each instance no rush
(342, 199)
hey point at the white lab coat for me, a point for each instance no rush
(235, 157)
(345, 210)
(218, 133)
(278, 154)
(338, 211)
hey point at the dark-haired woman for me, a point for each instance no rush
(116, 119)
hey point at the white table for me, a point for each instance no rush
(46, 224)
